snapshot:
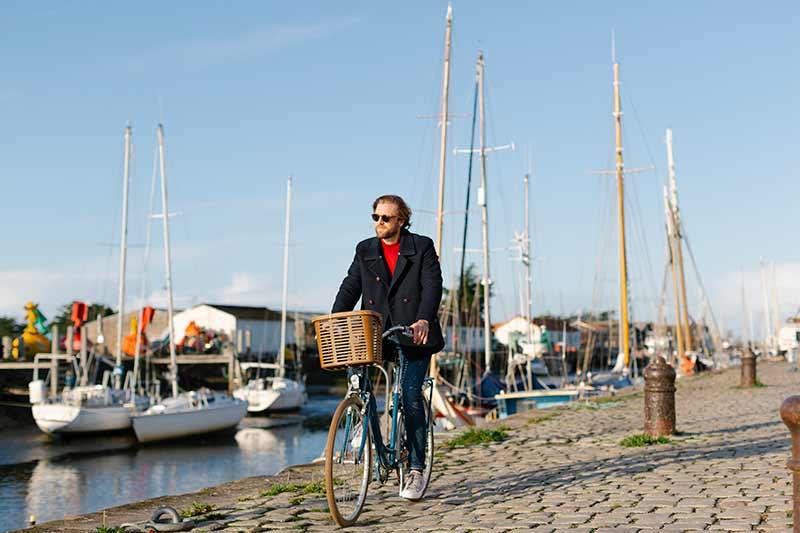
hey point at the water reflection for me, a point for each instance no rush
(83, 475)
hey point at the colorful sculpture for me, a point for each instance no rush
(33, 338)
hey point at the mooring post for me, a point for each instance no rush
(790, 413)
(659, 398)
(748, 369)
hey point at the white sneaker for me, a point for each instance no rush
(355, 440)
(414, 486)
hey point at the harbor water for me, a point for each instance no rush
(53, 478)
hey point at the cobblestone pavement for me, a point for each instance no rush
(564, 470)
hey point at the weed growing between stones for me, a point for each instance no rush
(541, 418)
(475, 436)
(109, 529)
(197, 509)
(640, 439)
(314, 487)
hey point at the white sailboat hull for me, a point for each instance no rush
(60, 418)
(278, 394)
(154, 425)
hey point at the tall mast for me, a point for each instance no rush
(673, 189)
(675, 289)
(776, 314)
(173, 359)
(123, 253)
(624, 329)
(285, 297)
(443, 118)
(482, 201)
(767, 321)
(526, 258)
(145, 263)
(748, 319)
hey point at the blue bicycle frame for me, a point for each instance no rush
(387, 456)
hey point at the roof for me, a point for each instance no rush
(244, 312)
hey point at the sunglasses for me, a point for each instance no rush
(384, 218)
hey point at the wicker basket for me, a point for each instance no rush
(347, 339)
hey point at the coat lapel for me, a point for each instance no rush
(375, 262)
(407, 249)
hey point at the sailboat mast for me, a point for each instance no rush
(767, 321)
(123, 253)
(285, 297)
(747, 330)
(173, 359)
(443, 118)
(776, 314)
(482, 201)
(526, 258)
(624, 329)
(675, 289)
(678, 232)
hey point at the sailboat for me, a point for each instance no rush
(276, 393)
(187, 413)
(96, 408)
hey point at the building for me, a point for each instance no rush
(263, 324)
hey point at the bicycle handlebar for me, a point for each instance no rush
(404, 330)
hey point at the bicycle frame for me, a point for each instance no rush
(387, 456)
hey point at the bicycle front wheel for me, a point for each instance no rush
(348, 461)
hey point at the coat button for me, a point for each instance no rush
(371, 302)
(405, 300)
(378, 279)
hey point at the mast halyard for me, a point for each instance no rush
(285, 296)
(482, 202)
(443, 138)
(123, 254)
(173, 359)
(624, 326)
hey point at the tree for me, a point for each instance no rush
(63, 317)
(9, 327)
(471, 288)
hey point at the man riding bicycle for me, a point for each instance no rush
(397, 273)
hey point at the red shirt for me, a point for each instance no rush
(390, 253)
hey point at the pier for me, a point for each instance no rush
(559, 469)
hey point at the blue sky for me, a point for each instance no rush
(331, 92)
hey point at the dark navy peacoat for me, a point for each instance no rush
(413, 293)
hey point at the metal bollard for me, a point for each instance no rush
(659, 398)
(790, 413)
(748, 369)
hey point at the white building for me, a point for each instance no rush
(264, 324)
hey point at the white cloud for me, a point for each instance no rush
(50, 287)
(247, 44)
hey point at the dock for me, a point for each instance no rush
(559, 469)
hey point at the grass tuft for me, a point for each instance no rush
(109, 529)
(640, 439)
(475, 436)
(197, 509)
(314, 487)
(541, 418)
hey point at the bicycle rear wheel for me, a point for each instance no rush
(348, 461)
(404, 456)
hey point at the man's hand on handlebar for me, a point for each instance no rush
(420, 329)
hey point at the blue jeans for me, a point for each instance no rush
(415, 417)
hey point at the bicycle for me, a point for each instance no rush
(354, 428)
